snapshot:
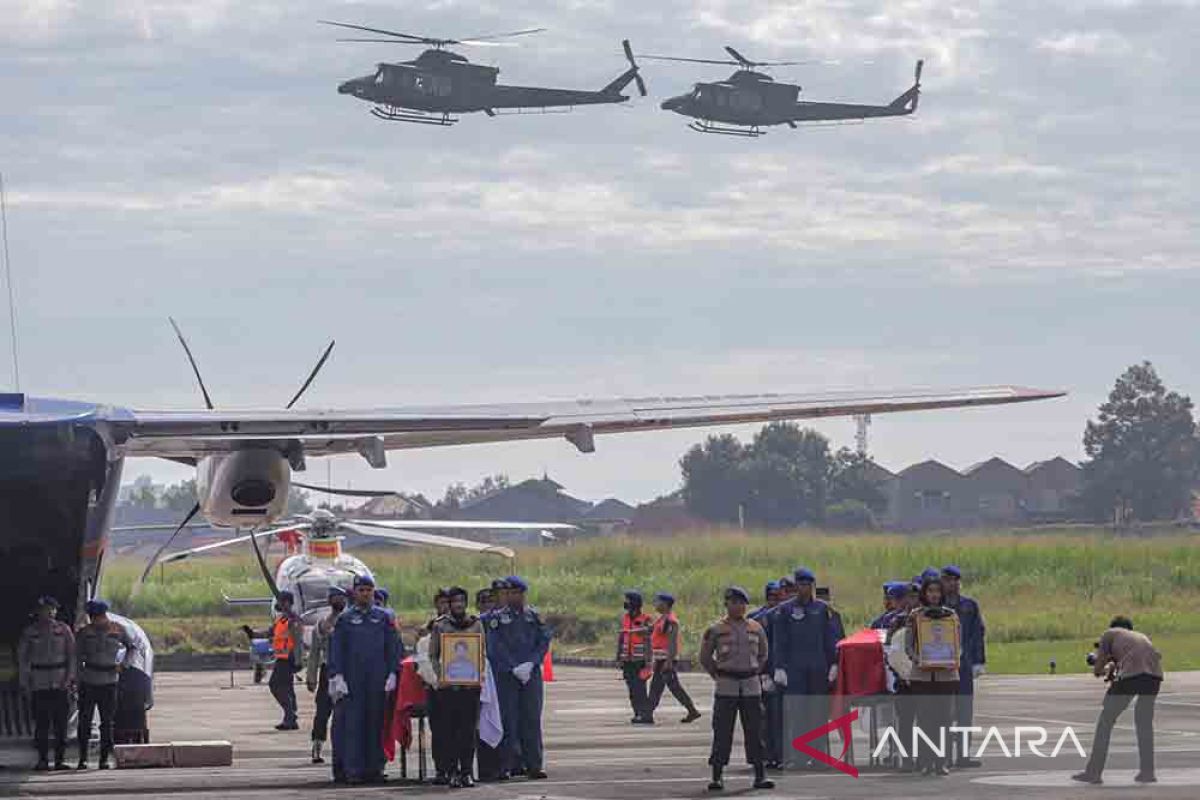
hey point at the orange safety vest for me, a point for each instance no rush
(282, 641)
(633, 636)
(660, 640)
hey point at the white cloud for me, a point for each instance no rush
(1086, 43)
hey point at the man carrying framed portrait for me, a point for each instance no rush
(456, 649)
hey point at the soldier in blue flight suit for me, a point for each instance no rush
(517, 641)
(804, 662)
(772, 695)
(364, 653)
(972, 661)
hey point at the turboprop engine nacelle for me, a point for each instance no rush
(244, 489)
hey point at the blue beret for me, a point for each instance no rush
(498, 584)
(336, 591)
(95, 607)
(665, 597)
(787, 580)
(382, 594)
(516, 582)
(804, 575)
(929, 573)
(896, 589)
(363, 580)
(634, 595)
(772, 586)
(737, 592)
(952, 570)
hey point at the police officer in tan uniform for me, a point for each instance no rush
(96, 648)
(46, 657)
(734, 653)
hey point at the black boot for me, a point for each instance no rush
(717, 783)
(692, 715)
(761, 781)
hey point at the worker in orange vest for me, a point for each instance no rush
(286, 643)
(633, 654)
(664, 645)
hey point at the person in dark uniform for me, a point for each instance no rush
(317, 677)
(664, 647)
(486, 605)
(457, 703)
(890, 591)
(437, 734)
(772, 695)
(46, 660)
(517, 641)
(904, 700)
(363, 653)
(734, 652)
(804, 663)
(974, 660)
(633, 654)
(96, 649)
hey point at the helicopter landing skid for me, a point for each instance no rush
(748, 132)
(398, 114)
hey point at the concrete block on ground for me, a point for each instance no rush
(143, 756)
(202, 754)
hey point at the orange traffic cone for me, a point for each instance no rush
(548, 668)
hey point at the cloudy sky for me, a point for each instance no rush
(1034, 223)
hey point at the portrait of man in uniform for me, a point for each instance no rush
(464, 666)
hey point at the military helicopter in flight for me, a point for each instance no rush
(438, 84)
(748, 100)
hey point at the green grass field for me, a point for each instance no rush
(1044, 595)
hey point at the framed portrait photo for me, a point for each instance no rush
(937, 643)
(462, 659)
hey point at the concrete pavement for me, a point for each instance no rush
(594, 754)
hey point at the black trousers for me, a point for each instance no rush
(283, 687)
(773, 726)
(324, 706)
(457, 709)
(1119, 696)
(93, 698)
(669, 679)
(638, 699)
(726, 711)
(935, 713)
(489, 761)
(50, 710)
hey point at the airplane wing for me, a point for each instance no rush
(187, 435)
(377, 530)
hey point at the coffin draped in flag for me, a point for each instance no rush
(861, 669)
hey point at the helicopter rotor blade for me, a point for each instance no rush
(917, 71)
(413, 37)
(637, 76)
(689, 60)
(741, 59)
(163, 547)
(312, 375)
(344, 492)
(488, 36)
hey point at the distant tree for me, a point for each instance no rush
(787, 475)
(144, 493)
(180, 496)
(489, 485)
(457, 494)
(299, 501)
(850, 481)
(714, 480)
(850, 515)
(1142, 450)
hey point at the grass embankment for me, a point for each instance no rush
(1044, 595)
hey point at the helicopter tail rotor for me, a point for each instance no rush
(618, 84)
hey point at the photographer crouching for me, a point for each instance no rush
(1127, 659)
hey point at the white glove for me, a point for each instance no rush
(389, 685)
(833, 673)
(780, 677)
(338, 690)
(978, 669)
(523, 672)
(768, 685)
